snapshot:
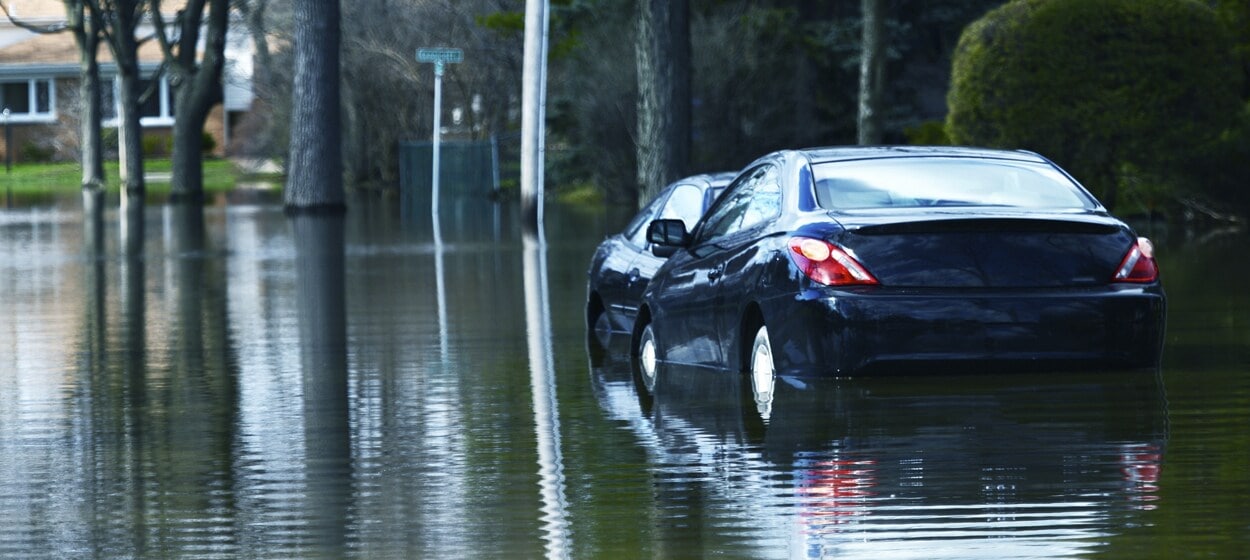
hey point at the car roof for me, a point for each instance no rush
(720, 178)
(717, 179)
(845, 153)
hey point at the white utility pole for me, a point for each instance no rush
(533, 113)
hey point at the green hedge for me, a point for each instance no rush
(1123, 93)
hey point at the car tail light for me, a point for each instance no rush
(1139, 264)
(827, 263)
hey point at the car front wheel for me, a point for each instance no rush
(648, 358)
(763, 374)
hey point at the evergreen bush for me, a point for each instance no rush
(1100, 86)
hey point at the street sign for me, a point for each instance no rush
(440, 55)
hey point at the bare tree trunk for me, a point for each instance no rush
(662, 49)
(85, 23)
(197, 88)
(130, 134)
(872, 72)
(315, 166)
(121, 20)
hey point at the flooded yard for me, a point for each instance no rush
(252, 385)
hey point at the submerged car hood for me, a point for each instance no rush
(985, 247)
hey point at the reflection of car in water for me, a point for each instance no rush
(1020, 465)
(624, 263)
(846, 261)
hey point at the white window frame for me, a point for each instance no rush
(34, 115)
(164, 95)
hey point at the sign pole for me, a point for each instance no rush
(438, 133)
(440, 57)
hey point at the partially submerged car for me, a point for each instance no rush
(624, 263)
(861, 260)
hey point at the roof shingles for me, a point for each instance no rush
(22, 47)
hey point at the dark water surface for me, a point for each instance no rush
(258, 386)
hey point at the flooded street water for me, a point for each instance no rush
(259, 386)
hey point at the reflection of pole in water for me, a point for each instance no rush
(546, 408)
(440, 279)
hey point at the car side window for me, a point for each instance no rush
(636, 231)
(754, 199)
(685, 204)
(765, 202)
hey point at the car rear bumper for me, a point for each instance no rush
(882, 331)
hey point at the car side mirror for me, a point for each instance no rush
(666, 236)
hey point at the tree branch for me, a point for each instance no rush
(41, 29)
(162, 34)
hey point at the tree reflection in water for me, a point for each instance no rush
(320, 299)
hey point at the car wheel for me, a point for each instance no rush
(593, 310)
(598, 329)
(763, 373)
(648, 358)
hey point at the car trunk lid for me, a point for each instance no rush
(987, 251)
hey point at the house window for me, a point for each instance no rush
(156, 110)
(29, 100)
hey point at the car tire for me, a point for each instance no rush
(762, 373)
(647, 359)
(598, 330)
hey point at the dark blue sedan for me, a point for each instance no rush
(624, 263)
(863, 260)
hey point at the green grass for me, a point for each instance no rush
(35, 179)
(584, 194)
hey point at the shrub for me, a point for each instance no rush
(928, 133)
(108, 136)
(1222, 169)
(37, 153)
(1100, 86)
(207, 143)
(156, 146)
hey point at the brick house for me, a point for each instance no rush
(39, 76)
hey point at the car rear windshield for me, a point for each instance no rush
(932, 181)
